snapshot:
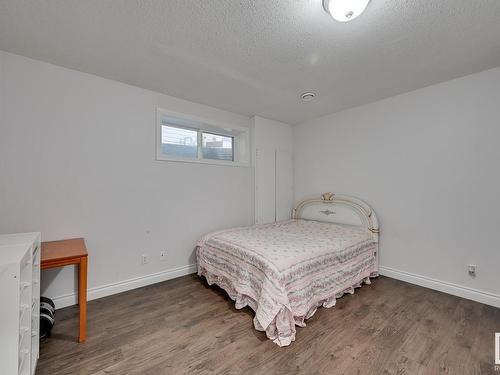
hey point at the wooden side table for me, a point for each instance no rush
(64, 253)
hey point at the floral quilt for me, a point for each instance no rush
(284, 271)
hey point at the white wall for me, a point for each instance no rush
(77, 158)
(429, 163)
(272, 144)
(272, 134)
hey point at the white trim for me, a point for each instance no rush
(442, 286)
(161, 157)
(427, 282)
(122, 286)
(219, 124)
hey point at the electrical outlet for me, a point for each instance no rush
(472, 269)
(144, 258)
(163, 255)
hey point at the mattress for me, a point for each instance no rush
(284, 271)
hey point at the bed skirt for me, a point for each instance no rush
(281, 330)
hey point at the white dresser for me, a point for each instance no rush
(20, 301)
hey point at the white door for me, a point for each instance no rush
(284, 185)
(265, 199)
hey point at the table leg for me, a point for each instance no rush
(82, 298)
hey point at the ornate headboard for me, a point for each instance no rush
(336, 208)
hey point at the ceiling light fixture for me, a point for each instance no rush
(345, 10)
(308, 96)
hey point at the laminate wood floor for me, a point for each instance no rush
(184, 326)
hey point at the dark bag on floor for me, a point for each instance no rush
(47, 316)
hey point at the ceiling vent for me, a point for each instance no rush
(307, 96)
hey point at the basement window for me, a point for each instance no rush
(188, 139)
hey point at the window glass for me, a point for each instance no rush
(217, 147)
(179, 142)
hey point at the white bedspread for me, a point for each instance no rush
(285, 270)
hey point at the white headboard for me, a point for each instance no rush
(341, 209)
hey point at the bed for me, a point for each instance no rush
(285, 270)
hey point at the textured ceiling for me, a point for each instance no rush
(257, 56)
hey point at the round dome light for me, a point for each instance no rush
(345, 10)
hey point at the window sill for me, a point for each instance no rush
(202, 161)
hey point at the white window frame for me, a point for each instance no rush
(202, 125)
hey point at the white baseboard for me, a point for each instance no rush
(442, 286)
(122, 286)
